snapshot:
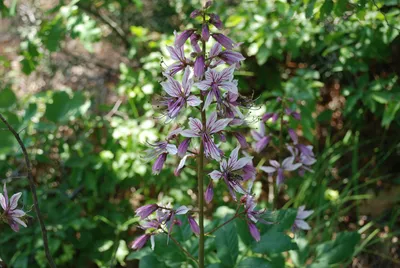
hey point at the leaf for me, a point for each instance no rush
(150, 261)
(274, 241)
(254, 262)
(390, 113)
(326, 8)
(262, 55)
(168, 252)
(7, 139)
(339, 250)
(227, 244)
(7, 98)
(310, 9)
(63, 107)
(243, 232)
(52, 33)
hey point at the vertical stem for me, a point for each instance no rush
(33, 191)
(276, 187)
(201, 173)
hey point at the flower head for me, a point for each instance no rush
(261, 138)
(287, 165)
(231, 172)
(302, 214)
(11, 214)
(215, 80)
(212, 126)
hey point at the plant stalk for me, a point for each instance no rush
(33, 191)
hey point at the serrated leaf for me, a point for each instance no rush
(274, 241)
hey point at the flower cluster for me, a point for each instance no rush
(209, 91)
(11, 215)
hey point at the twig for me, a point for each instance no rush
(384, 16)
(112, 24)
(114, 109)
(225, 223)
(181, 247)
(33, 190)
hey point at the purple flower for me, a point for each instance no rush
(146, 210)
(140, 242)
(241, 139)
(212, 126)
(293, 114)
(194, 42)
(208, 4)
(215, 50)
(209, 194)
(199, 66)
(287, 165)
(159, 150)
(249, 171)
(205, 32)
(178, 55)
(253, 231)
(228, 106)
(193, 225)
(231, 57)
(182, 37)
(179, 95)
(11, 213)
(293, 135)
(183, 147)
(231, 172)
(215, 80)
(261, 139)
(305, 160)
(216, 21)
(225, 41)
(302, 214)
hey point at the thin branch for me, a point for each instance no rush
(225, 223)
(107, 20)
(181, 247)
(384, 16)
(33, 190)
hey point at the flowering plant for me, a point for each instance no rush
(209, 91)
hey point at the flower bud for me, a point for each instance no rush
(140, 242)
(183, 147)
(241, 139)
(205, 32)
(209, 194)
(223, 40)
(182, 37)
(193, 225)
(159, 163)
(254, 231)
(231, 57)
(216, 21)
(208, 4)
(195, 13)
(199, 66)
(144, 211)
(293, 135)
(194, 39)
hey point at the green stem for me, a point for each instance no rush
(276, 187)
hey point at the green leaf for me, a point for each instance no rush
(168, 252)
(339, 250)
(7, 139)
(310, 9)
(52, 33)
(227, 244)
(254, 262)
(326, 8)
(63, 107)
(243, 232)
(7, 98)
(390, 113)
(150, 261)
(274, 241)
(262, 55)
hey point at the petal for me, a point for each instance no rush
(195, 124)
(261, 144)
(209, 99)
(17, 220)
(172, 87)
(215, 50)
(193, 100)
(152, 242)
(203, 85)
(3, 202)
(219, 125)
(268, 169)
(274, 163)
(254, 231)
(242, 162)
(230, 86)
(227, 74)
(301, 215)
(215, 175)
(173, 53)
(17, 213)
(171, 149)
(189, 133)
(257, 136)
(182, 210)
(185, 79)
(211, 119)
(302, 225)
(14, 200)
(233, 157)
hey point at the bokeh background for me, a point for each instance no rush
(77, 79)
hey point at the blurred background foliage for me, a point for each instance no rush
(77, 79)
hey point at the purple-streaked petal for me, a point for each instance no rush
(172, 87)
(227, 74)
(231, 57)
(3, 202)
(266, 117)
(193, 101)
(203, 85)
(274, 163)
(19, 221)
(254, 231)
(241, 139)
(194, 42)
(224, 40)
(171, 149)
(181, 165)
(215, 175)
(140, 242)
(242, 162)
(230, 86)
(174, 68)
(233, 157)
(280, 178)
(219, 125)
(210, 149)
(261, 144)
(301, 215)
(209, 99)
(183, 146)
(189, 133)
(17, 213)
(195, 124)
(186, 81)
(146, 210)
(257, 136)
(14, 200)
(215, 50)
